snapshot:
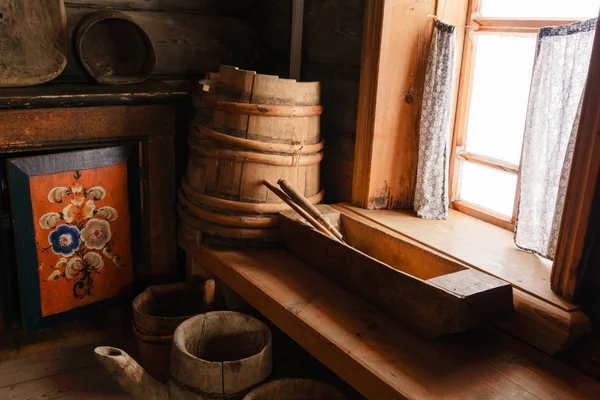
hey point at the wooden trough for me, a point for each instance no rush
(429, 292)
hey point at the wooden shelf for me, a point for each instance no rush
(375, 354)
(57, 94)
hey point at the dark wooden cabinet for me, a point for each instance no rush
(56, 118)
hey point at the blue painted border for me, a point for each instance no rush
(19, 172)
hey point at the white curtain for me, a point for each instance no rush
(431, 190)
(557, 86)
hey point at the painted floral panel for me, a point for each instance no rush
(82, 235)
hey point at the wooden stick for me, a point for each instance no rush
(208, 295)
(308, 207)
(279, 193)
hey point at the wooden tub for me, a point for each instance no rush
(249, 127)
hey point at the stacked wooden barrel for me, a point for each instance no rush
(247, 128)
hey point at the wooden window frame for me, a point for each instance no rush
(396, 39)
(477, 24)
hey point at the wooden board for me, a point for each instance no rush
(376, 355)
(183, 6)
(185, 44)
(431, 293)
(34, 41)
(152, 91)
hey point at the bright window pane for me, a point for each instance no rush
(502, 72)
(561, 9)
(487, 187)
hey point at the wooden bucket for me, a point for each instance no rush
(249, 127)
(157, 312)
(114, 49)
(219, 355)
(295, 389)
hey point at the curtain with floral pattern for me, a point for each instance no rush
(431, 190)
(559, 76)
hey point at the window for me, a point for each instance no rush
(494, 86)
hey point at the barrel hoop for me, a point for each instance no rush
(197, 130)
(292, 160)
(224, 231)
(263, 110)
(164, 339)
(202, 199)
(240, 221)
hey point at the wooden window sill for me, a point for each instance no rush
(542, 318)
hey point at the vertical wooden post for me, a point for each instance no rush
(296, 46)
(576, 232)
(396, 39)
(161, 209)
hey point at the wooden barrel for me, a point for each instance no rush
(114, 49)
(247, 128)
(295, 389)
(219, 355)
(157, 312)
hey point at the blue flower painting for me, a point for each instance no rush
(64, 240)
(83, 229)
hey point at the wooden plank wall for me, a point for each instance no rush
(190, 37)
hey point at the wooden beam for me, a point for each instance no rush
(396, 39)
(32, 129)
(568, 269)
(206, 7)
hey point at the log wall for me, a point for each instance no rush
(331, 50)
(190, 37)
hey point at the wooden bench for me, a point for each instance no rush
(377, 355)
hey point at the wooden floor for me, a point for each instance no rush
(71, 373)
